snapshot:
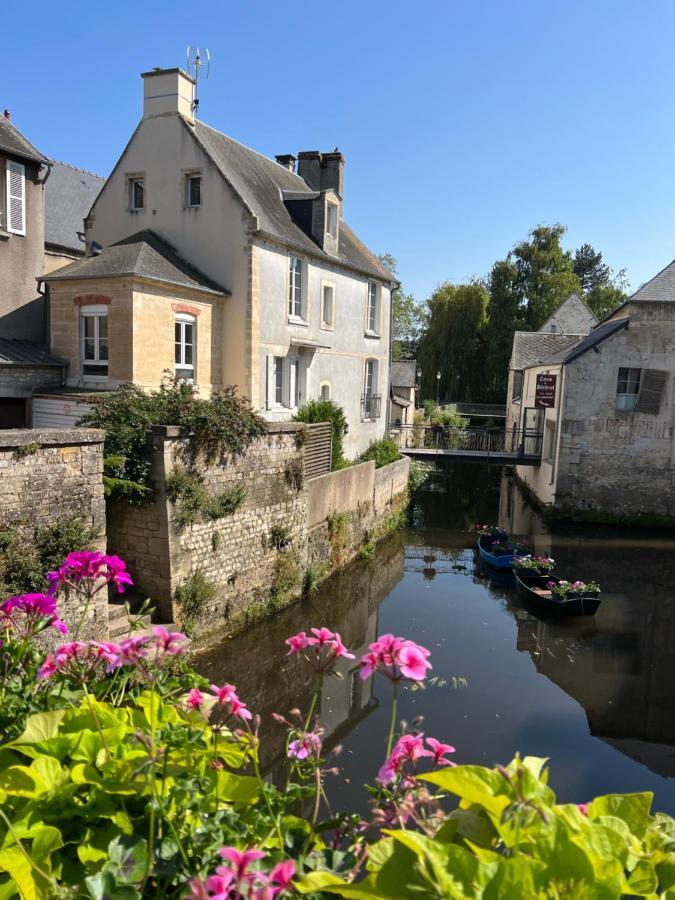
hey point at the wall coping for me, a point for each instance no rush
(50, 437)
(174, 431)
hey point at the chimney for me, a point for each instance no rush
(287, 160)
(323, 171)
(8, 115)
(168, 91)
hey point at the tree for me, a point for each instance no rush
(603, 298)
(504, 317)
(590, 269)
(408, 316)
(545, 273)
(451, 343)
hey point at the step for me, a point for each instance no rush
(120, 625)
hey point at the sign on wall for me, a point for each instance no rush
(544, 393)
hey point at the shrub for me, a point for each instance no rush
(382, 452)
(193, 594)
(294, 474)
(224, 424)
(185, 488)
(225, 503)
(418, 474)
(279, 537)
(315, 411)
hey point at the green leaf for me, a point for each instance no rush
(643, 880)
(40, 727)
(103, 886)
(19, 781)
(237, 788)
(666, 872)
(128, 858)
(316, 881)
(632, 808)
(474, 784)
(30, 884)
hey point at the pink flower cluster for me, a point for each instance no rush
(410, 748)
(321, 648)
(226, 699)
(89, 566)
(236, 879)
(395, 658)
(307, 744)
(29, 613)
(79, 659)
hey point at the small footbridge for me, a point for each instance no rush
(496, 446)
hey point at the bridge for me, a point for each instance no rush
(477, 410)
(517, 447)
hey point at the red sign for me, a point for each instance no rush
(544, 395)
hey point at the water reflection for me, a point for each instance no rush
(595, 695)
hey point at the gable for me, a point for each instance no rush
(572, 317)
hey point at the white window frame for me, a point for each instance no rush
(331, 219)
(626, 401)
(297, 269)
(278, 382)
(371, 380)
(325, 323)
(373, 304)
(189, 177)
(293, 383)
(131, 181)
(95, 312)
(329, 390)
(13, 169)
(183, 319)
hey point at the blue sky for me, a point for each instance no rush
(464, 124)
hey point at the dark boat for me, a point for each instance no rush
(498, 560)
(532, 588)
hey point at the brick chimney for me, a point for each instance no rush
(323, 171)
(8, 115)
(168, 91)
(287, 160)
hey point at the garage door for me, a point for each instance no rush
(57, 412)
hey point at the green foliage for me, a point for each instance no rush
(314, 575)
(382, 452)
(279, 537)
(447, 416)
(418, 474)
(408, 316)
(338, 535)
(545, 273)
(26, 554)
(294, 474)
(287, 578)
(194, 594)
(327, 411)
(224, 424)
(185, 488)
(29, 449)
(226, 503)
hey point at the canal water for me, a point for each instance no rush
(594, 695)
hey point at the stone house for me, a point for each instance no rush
(69, 194)
(282, 299)
(608, 422)
(402, 385)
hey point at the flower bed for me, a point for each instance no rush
(536, 564)
(568, 589)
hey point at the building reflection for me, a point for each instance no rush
(619, 665)
(270, 681)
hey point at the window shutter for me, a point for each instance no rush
(269, 397)
(651, 391)
(16, 198)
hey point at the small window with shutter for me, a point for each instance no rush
(16, 197)
(651, 391)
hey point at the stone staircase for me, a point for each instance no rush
(125, 612)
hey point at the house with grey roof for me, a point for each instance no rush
(284, 300)
(402, 386)
(601, 408)
(69, 195)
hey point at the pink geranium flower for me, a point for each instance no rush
(27, 614)
(240, 859)
(195, 699)
(324, 647)
(168, 642)
(395, 658)
(583, 808)
(226, 697)
(296, 643)
(282, 874)
(438, 752)
(89, 566)
(308, 744)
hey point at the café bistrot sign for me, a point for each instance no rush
(544, 394)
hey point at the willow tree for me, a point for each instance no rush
(452, 342)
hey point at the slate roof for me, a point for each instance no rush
(14, 143)
(69, 195)
(14, 352)
(403, 372)
(530, 348)
(260, 181)
(659, 289)
(594, 339)
(144, 254)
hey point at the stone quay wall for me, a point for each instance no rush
(287, 530)
(50, 474)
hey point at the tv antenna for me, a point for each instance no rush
(195, 62)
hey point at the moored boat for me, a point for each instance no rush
(536, 591)
(497, 551)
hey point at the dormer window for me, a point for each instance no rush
(331, 219)
(136, 193)
(193, 190)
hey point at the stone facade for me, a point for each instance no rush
(23, 381)
(49, 475)
(571, 317)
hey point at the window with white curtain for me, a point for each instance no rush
(296, 294)
(627, 388)
(185, 328)
(94, 341)
(373, 313)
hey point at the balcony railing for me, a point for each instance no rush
(371, 406)
(519, 442)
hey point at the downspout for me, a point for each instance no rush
(391, 333)
(46, 324)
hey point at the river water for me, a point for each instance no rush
(595, 695)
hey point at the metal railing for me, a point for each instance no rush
(371, 406)
(519, 442)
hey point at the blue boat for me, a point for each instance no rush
(496, 560)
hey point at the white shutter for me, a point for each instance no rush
(16, 198)
(269, 396)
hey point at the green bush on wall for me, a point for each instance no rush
(315, 411)
(382, 452)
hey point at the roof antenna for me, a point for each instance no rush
(195, 61)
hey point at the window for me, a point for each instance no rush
(185, 334)
(279, 380)
(16, 197)
(517, 389)
(193, 190)
(94, 341)
(327, 298)
(136, 193)
(371, 401)
(553, 329)
(325, 390)
(372, 323)
(295, 289)
(331, 219)
(627, 388)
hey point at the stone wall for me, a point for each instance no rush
(50, 474)
(23, 381)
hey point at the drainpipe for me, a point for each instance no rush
(391, 334)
